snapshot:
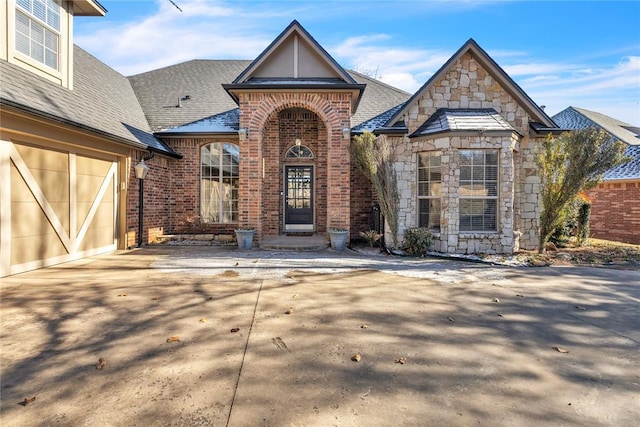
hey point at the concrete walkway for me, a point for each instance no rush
(266, 338)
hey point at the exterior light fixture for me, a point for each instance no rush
(346, 133)
(141, 170)
(242, 134)
(141, 173)
(298, 142)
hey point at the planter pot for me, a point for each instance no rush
(245, 238)
(338, 239)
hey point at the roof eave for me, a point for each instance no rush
(88, 8)
(357, 89)
(421, 137)
(4, 103)
(169, 134)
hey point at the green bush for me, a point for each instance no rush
(417, 241)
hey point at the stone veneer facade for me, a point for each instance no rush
(466, 84)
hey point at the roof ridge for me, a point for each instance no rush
(380, 82)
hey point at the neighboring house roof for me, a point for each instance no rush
(463, 120)
(579, 118)
(535, 112)
(102, 101)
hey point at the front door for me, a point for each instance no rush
(298, 198)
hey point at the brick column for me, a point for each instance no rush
(338, 180)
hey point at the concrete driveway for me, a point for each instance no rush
(480, 344)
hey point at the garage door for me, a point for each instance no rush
(56, 206)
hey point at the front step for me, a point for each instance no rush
(315, 242)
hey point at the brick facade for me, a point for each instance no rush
(273, 121)
(615, 211)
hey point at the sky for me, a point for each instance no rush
(562, 53)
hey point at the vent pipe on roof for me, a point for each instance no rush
(182, 98)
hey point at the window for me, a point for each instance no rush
(299, 152)
(429, 190)
(38, 30)
(219, 183)
(478, 190)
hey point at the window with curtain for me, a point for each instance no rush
(478, 190)
(219, 183)
(38, 30)
(429, 189)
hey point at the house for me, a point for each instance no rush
(261, 144)
(615, 211)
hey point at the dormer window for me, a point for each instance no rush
(38, 30)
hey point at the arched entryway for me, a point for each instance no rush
(295, 184)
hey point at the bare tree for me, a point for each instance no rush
(374, 157)
(573, 162)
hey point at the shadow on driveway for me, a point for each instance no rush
(480, 343)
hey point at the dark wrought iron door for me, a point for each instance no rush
(298, 198)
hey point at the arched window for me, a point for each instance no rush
(299, 152)
(219, 182)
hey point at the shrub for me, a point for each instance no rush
(370, 236)
(417, 241)
(582, 223)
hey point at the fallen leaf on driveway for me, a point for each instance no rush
(356, 357)
(401, 360)
(521, 296)
(102, 362)
(122, 295)
(173, 338)
(288, 311)
(496, 300)
(451, 319)
(234, 330)
(500, 315)
(28, 400)
(579, 307)
(364, 326)
(229, 273)
(561, 350)
(155, 298)
(203, 319)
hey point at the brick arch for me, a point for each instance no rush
(276, 103)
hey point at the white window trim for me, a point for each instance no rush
(56, 31)
(220, 177)
(470, 233)
(419, 197)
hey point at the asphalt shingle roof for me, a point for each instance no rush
(579, 118)
(160, 90)
(101, 101)
(446, 120)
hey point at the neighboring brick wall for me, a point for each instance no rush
(615, 211)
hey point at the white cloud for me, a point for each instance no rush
(168, 36)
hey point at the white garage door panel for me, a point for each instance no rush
(56, 206)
